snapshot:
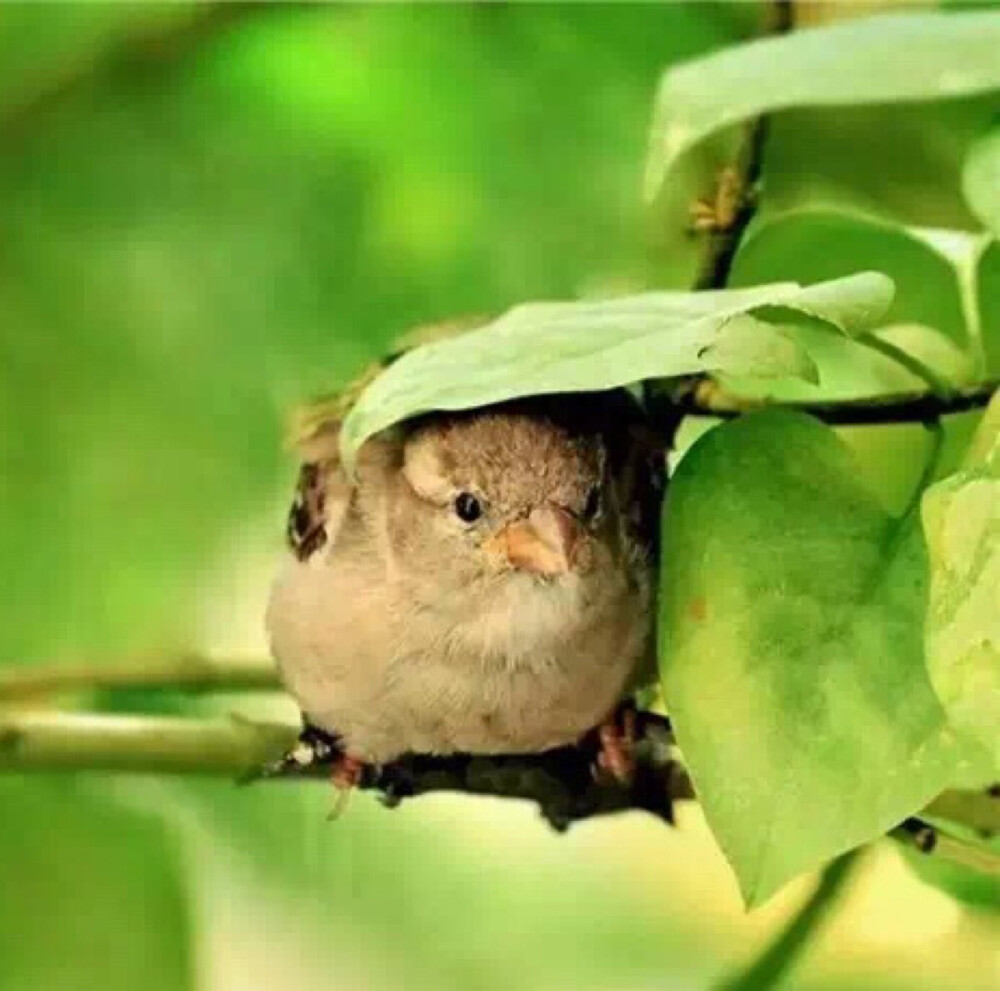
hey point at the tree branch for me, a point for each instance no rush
(934, 842)
(184, 673)
(560, 781)
(706, 398)
(62, 741)
(777, 958)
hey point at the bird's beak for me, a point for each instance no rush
(545, 543)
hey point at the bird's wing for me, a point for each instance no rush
(324, 491)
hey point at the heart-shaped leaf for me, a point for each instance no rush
(792, 651)
(962, 522)
(541, 348)
(883, 59)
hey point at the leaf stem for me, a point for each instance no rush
(777, 959)
(930, 468)
(933, 381)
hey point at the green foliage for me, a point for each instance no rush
(943, 280)
(962, 523)
(543, 348)
(981, 180)
(91, 895)
(892, 58)
(210, 217)
(791, 649)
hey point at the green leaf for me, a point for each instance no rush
(988, 284)
(943, 283)
(981, 180)
(884, 59)
(791, 649)
(929, 347)
(543, 348)
(962, 522)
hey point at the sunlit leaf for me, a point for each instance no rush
(884, 59)
(943, 278)
(962, 522)
(791, 649)
(543, 348)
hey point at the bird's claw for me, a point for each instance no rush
(347, 772)
(313, 748)
(617, 739)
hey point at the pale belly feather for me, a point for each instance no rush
(534, 673)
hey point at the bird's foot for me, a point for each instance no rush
(313, 749)
(314, 746)
(347, 772)
(617, 739)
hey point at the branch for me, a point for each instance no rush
(934, 842)
(706, 398)
(61, 741)
(775, 961)
(560, 781)
(736, 196)
(186, 673)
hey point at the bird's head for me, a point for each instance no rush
(519, 492)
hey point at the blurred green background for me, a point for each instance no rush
(211, 213)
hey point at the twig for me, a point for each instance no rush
(560, 781)
(737, 192)
(184, 673)
(777, 958)
(934, 842)
(62, 741)
(707, 399)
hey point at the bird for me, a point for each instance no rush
(483, 582)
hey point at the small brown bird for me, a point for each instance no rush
(484, 584)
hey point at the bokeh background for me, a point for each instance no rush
(208, 214)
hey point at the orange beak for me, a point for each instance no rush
(545, 543)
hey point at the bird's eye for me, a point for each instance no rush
(467, 507)
(593, 504)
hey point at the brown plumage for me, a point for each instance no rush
(485, 585)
